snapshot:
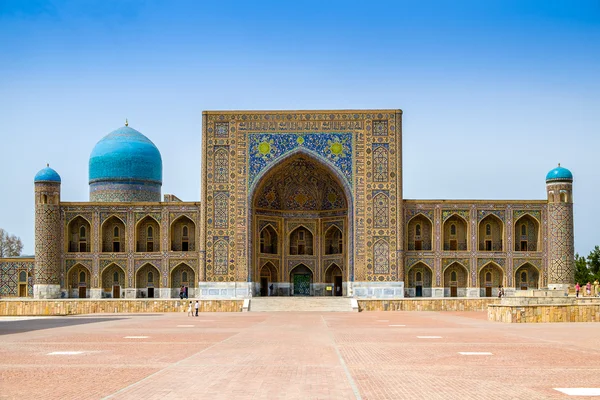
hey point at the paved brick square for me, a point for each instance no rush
(294, 356)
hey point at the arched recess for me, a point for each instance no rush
(491, 233)
(491, 276)
(79, 235)
(268, 240)
(420, 278)
(334, 240)
(340, 205)
(183, 234)
(113, 281)
(301, 242)
(147, 235)
(455, 280)
(301, 279)
(334, 278)
(78, 281)
(456, 233)
(527, 276)
(182, 276)
(113, 235)
(268, 277)
(527, 233)
(419, 233)
(147, 281)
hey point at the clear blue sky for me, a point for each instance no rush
(494, 93)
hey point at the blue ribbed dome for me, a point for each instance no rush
(47, 175)
(125, 155)
(559, 174)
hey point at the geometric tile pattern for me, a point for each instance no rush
(561, 264)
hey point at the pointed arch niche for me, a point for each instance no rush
(419, 280)
(455, 280)
(113, 235)
(113, 281)
(308, 201)
(527, 277)
(455, 234)
(491, 233)
(183, 234)
(491, 276)
(527, 234)
(79, 231)
(78, 281)
(147, 235)
(419, 233)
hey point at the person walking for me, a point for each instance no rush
(596, 288)
(196, 307)
(588, 289)
(190, 310)
(577, 288)
(499, 291)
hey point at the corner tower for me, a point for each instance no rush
(125, 166)
(46, 283)
(561, 268)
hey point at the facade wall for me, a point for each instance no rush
(10, 274)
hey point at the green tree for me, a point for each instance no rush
(593, 261)
(582, 272)
(10, 245)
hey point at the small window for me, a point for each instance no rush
(82, 232)
(82, 277)
(116, 277)
(150, 232)
(22, 276)
(301, 235)
(419, 277)
(150, 277)
(184, 276)
(523, 230)
(488, 276)
(563, 197)
(453, 230)
(523, 276)
(418, 230)
(184, 231)
(453, 276)
(523, 245)
(116, 232)
(44, 199)
(488, 229)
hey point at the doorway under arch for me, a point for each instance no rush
(334, 280)
(301, 279)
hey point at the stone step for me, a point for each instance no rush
(319, 304)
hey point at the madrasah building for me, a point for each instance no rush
(294, 203)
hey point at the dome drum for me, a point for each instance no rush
(125, 191)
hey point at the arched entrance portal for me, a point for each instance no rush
(299, 218)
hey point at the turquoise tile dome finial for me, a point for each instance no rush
(559, 174)
(125, 166)
(47, 175)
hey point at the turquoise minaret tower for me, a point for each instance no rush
(561, 245)
(46, 284)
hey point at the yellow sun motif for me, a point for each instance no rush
(300, 140)
(264, 148)
(336, 148)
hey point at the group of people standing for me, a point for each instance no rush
(588, 289)
(196, 307)
(500, 291)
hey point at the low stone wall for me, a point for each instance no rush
(544, 313)
(427, 304)
(15, 307)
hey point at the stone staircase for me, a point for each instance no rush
(317, 304)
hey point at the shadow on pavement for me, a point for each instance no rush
(10, 327)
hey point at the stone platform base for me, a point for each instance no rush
(584, 312)
(9, 307)
(427, 304)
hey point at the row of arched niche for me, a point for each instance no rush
(490, 234)
(419, 279)
(113, 281)
(182, 235)
(301, 241)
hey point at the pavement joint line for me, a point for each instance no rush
(475, 353)
(65, 353)
(185, 326)
(579, 391)
(429, 337)
(173, 365)
(396, 325)
(342, 362)
(136, 337)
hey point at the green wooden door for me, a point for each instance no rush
(302, 284)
